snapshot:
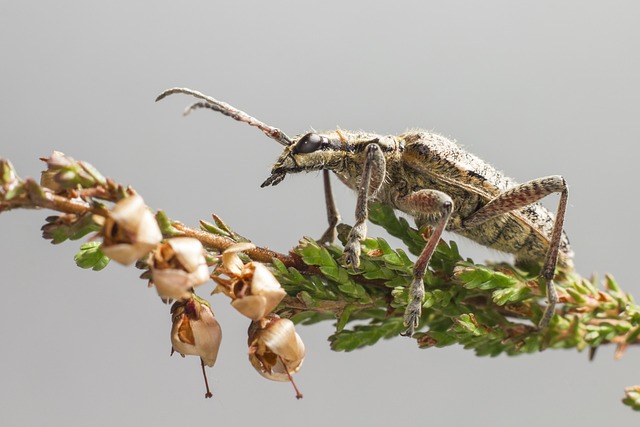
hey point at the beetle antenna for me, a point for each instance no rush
(227, 110)
(197, 105)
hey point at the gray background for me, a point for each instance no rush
(536, 88)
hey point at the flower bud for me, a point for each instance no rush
(130, 231)
(57, 164)
(9, 181)
(254, 290)
(275, 349)
(196, 332)
(177, 266)
(64, 172)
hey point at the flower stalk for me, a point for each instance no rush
(491, 309)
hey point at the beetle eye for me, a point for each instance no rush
(308, 143)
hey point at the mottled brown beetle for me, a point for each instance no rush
(432, 179)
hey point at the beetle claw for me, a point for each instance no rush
(351, 254)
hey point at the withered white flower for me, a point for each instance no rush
(254, 290)
(275, 349)
(196, 332)
(178, 265)
(130, 231)
(230, 259)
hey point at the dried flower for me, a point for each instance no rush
(177, 266)
(196, 332)
(275, 349)
(254, 290)
(130, 231)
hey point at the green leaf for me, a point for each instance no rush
(363, 335)
(344, 317)
(314, 254)
(376, 270)
(398, 281)
(97, 177)
(398, 260)
(311, 317)
(90, 256)
(516, 294)
(580, 298)
(165, 224)
(207, 226)
(58, 230)
(384, 216)
(436, 339)
(480, 277)
(279, 266)
(633, 335)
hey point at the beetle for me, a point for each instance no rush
(432, 179)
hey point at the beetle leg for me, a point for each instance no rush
(520, 197)
(373, 173)
(420, 203)
(333, 216)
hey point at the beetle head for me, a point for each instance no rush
(307, 152)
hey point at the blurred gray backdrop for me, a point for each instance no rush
(536, 88)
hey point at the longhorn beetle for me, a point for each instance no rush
(432, 179)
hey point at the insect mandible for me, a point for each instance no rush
(432, 179)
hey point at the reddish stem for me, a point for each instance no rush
(298, 394)
(208, 394)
